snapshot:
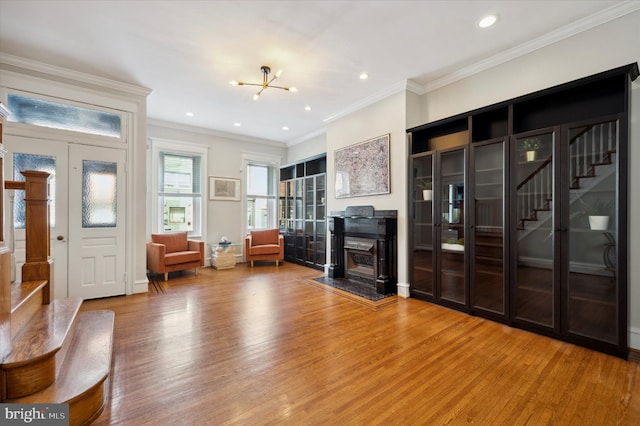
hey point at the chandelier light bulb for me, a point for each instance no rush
(293, 89)
(256, 96)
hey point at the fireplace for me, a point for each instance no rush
(363, 247)
(360, 260)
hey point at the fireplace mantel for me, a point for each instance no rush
(366, 222)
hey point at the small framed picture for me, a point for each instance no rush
(225, 189)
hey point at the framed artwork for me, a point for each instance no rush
(221, 188)
(363, 168)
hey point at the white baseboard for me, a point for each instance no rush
(403, 290)
(634, 338)
(141, 286)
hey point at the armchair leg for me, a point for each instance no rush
(276, 262)
(166, 276)
(252, 263)
(196, 271)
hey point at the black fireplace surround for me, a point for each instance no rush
(363, 222)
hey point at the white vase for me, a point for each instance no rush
(531, 155)
(599, 223)
(427, 194)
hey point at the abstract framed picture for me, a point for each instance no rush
(225, 189)
(363, 168)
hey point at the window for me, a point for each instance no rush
(261, 196)
(178, 188)
(56, 115)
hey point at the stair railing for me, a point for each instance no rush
(593, 146)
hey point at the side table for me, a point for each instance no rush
(223, 256)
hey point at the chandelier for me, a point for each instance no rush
(266, 83)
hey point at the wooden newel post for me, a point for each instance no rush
(38, 264)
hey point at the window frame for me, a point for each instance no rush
(166, 147)
(273, 163)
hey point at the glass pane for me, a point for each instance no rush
(258, 180)
(299, 214)
(99, 198)
(320, 197)
(534, 249)
(180, 174)
(488, 280)
(592, 239)
(452, 282)
(423, 224)
(40, 163)
(310, 241)
(258, 212)
(178, 213)
(65, 117)
(309, 198)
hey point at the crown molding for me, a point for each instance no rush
(66, 73)
(211, 132)
(307, 136)
(370, 100)
(552, 37)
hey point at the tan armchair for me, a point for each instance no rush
(173, 252)
(264, 244)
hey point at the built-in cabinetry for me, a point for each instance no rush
(509, 229)
(302, 211)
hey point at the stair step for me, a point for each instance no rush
(26, 300)
(36, 350)
(82, 380)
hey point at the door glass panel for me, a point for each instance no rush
(423, 224)
(535, 224)
(592, 288)
(40, 163)
(99, 207)
(489, 230)
(452, 270)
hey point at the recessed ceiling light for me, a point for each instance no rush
(236, 124)
(189, 114)
(285, 128)
(364, 76)
(307, 108)
(487, 21)
(293, 89)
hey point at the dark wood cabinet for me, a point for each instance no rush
(510, 233)
(302, 211)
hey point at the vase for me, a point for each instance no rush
(531, 155)
(599, 223)
(427, 194)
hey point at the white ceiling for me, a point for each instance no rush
(186, 52)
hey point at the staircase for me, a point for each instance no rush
(57, 354)
(592, 148)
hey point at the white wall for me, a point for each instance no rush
(309, 148)
(386, 116)
(224, 218)
(602, 48)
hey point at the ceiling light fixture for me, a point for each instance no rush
(266, 83)
(487, 21)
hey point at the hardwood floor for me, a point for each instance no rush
(260, 346)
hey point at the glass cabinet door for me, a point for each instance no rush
(488, 280)
(451, 193)
(591, 304)
(535, 196)
(422, 201)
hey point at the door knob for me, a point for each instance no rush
(59, 238)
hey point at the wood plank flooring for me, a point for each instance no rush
(261, 346)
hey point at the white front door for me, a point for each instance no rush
(97, 184)
(49, 156)
(87, 212)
